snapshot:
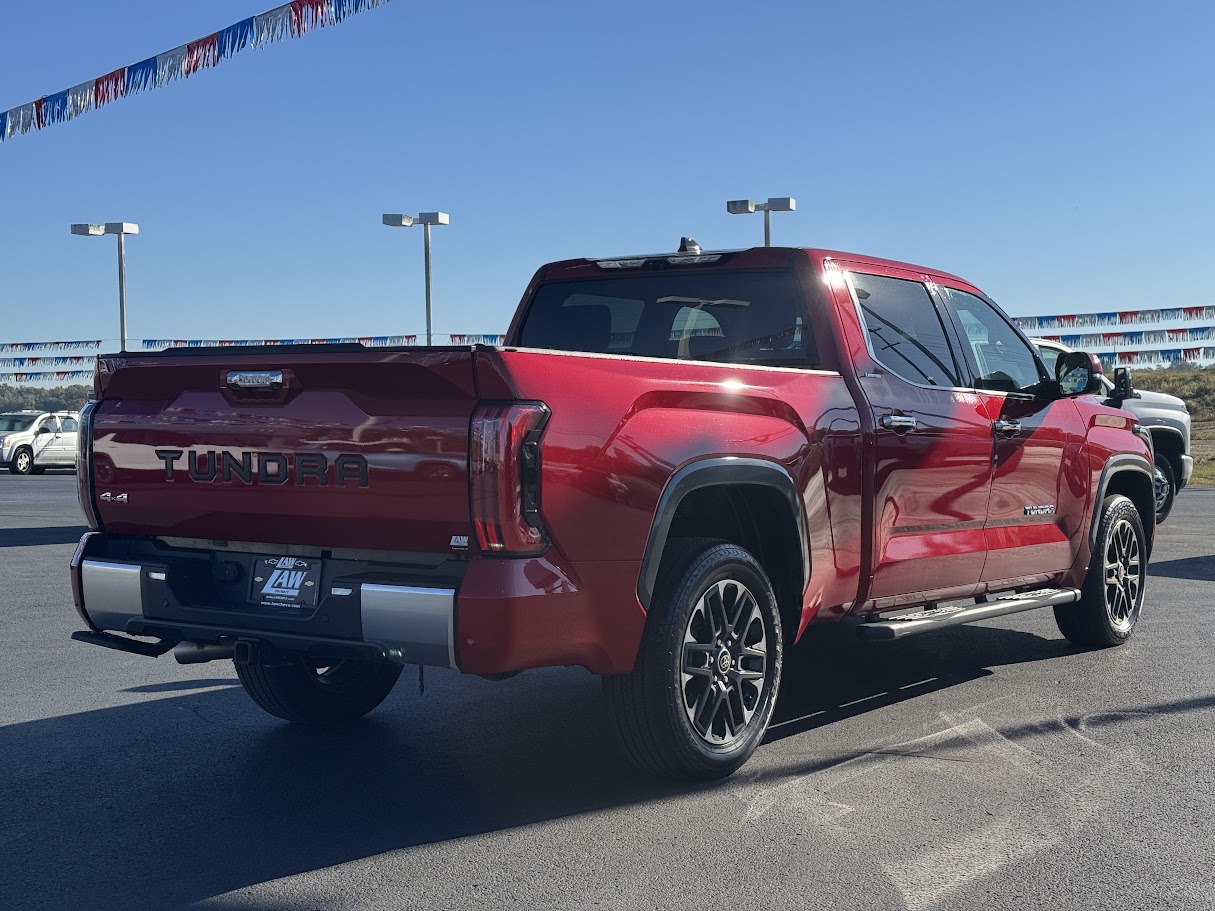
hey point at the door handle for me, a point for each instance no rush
(1007, 428)
(899, 423)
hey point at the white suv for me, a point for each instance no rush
(32, 441)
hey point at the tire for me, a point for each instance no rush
(298, 691)
(1111, 599)
(1164, 488)
(23, 461)
(702, 691)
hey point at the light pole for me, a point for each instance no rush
(425, 219)
(774, 204)
(120, 229)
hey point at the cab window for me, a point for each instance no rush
(999, 358)
(905, 330)
(720, 316)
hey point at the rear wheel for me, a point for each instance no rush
(1165, 488)
(701, 694)
(302, 691)
(23, 461)
(1112, 597)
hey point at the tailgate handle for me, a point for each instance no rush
(262, 380)
(273, 386)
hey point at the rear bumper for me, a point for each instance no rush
(492, 617)
(407, 623)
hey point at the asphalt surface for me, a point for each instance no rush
(986, 766)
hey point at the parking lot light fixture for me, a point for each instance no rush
(120, 229)
(425, 219)
(774, 204)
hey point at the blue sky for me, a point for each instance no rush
(1060, 156)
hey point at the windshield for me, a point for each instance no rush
(15, 423)
(731, 317)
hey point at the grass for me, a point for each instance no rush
(1202, 448)
(1197, 388)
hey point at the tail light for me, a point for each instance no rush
(504, 462)
(84, 467)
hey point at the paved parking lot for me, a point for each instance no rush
(988, 766)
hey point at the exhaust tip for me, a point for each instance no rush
(200, 653)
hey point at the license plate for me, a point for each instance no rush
(285, 582)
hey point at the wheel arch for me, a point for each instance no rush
(1169, 442)
(1130, 475)
(751, 502)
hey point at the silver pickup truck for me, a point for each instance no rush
(1165, 417)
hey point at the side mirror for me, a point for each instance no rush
(44, 429)
(1078, 373)
(1123, 389)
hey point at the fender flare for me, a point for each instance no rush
(726, 471)
(1118, 464)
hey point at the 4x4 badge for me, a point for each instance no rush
(108, 497)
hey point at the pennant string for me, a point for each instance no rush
(290, 20)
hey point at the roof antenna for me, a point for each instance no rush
(687, 245)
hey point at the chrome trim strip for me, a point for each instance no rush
(419, 623)
(112, 593)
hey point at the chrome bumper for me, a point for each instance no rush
(408, 624)
(1187, 471)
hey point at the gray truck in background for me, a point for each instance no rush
(1165, 417)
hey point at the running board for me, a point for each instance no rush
(941, 617)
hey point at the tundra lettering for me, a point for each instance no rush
(273, 468)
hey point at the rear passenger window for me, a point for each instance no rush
(719, 316)
(905, 330)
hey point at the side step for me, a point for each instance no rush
(903, 625)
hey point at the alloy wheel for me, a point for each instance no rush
(1161, 487)
(725, 664)
(1123, 575)
(24, 461)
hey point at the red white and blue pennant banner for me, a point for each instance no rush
(1160, 356)
(46, 361)
(287, 21)
(23, 347)
(1035, 324)
(1096, 340)
(43, 376)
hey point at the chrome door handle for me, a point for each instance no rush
(1008, 428)
(899, 423)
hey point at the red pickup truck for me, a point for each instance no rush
(675, 465)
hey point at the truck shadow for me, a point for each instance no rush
(830, 676)
(188, 796)
(1201, 569)
(33, 537)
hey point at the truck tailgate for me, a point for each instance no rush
(355, 448)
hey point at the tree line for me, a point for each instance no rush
(42, 398)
